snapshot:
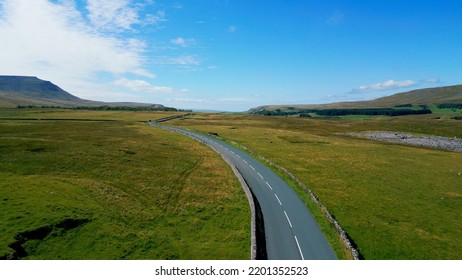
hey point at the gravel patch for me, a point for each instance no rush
(446, 143)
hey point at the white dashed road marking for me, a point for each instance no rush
(299, 249)
(269, 186)
(287, 217)
(281, 204)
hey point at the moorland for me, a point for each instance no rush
(102, 184)
(394, 201)
(108, 186)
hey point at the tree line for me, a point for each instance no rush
(450, 106)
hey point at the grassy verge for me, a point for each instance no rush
(115, 190)
(395, 201)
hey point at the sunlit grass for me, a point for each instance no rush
(147, 193)
(47, 113)
(395, 201)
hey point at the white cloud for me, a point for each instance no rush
(387, 85)
(183, 42)
(186, 60)
(431, 80)
(144, 73)
(55, 41)
(182, 63)
(112, 15)
(142, 86)
(183, 60)
(120, 15)
(155, 19)
(178, 41)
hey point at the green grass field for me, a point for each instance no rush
(109, 115)
(114, 190)
(395, 201)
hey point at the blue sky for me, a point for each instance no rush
(233, 55)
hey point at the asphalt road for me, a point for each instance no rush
(290, 230)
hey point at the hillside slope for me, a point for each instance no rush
(428, 96)
(25, 90)
(435, 96)
(32, 87)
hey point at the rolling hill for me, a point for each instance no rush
(427, 96)
(25, 91)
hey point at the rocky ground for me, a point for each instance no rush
(446, 143)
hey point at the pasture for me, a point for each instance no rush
(114, 188)
(395, 201)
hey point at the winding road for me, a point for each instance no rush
(291, 232)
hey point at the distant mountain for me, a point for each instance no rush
(25, 90)
(427, 96)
